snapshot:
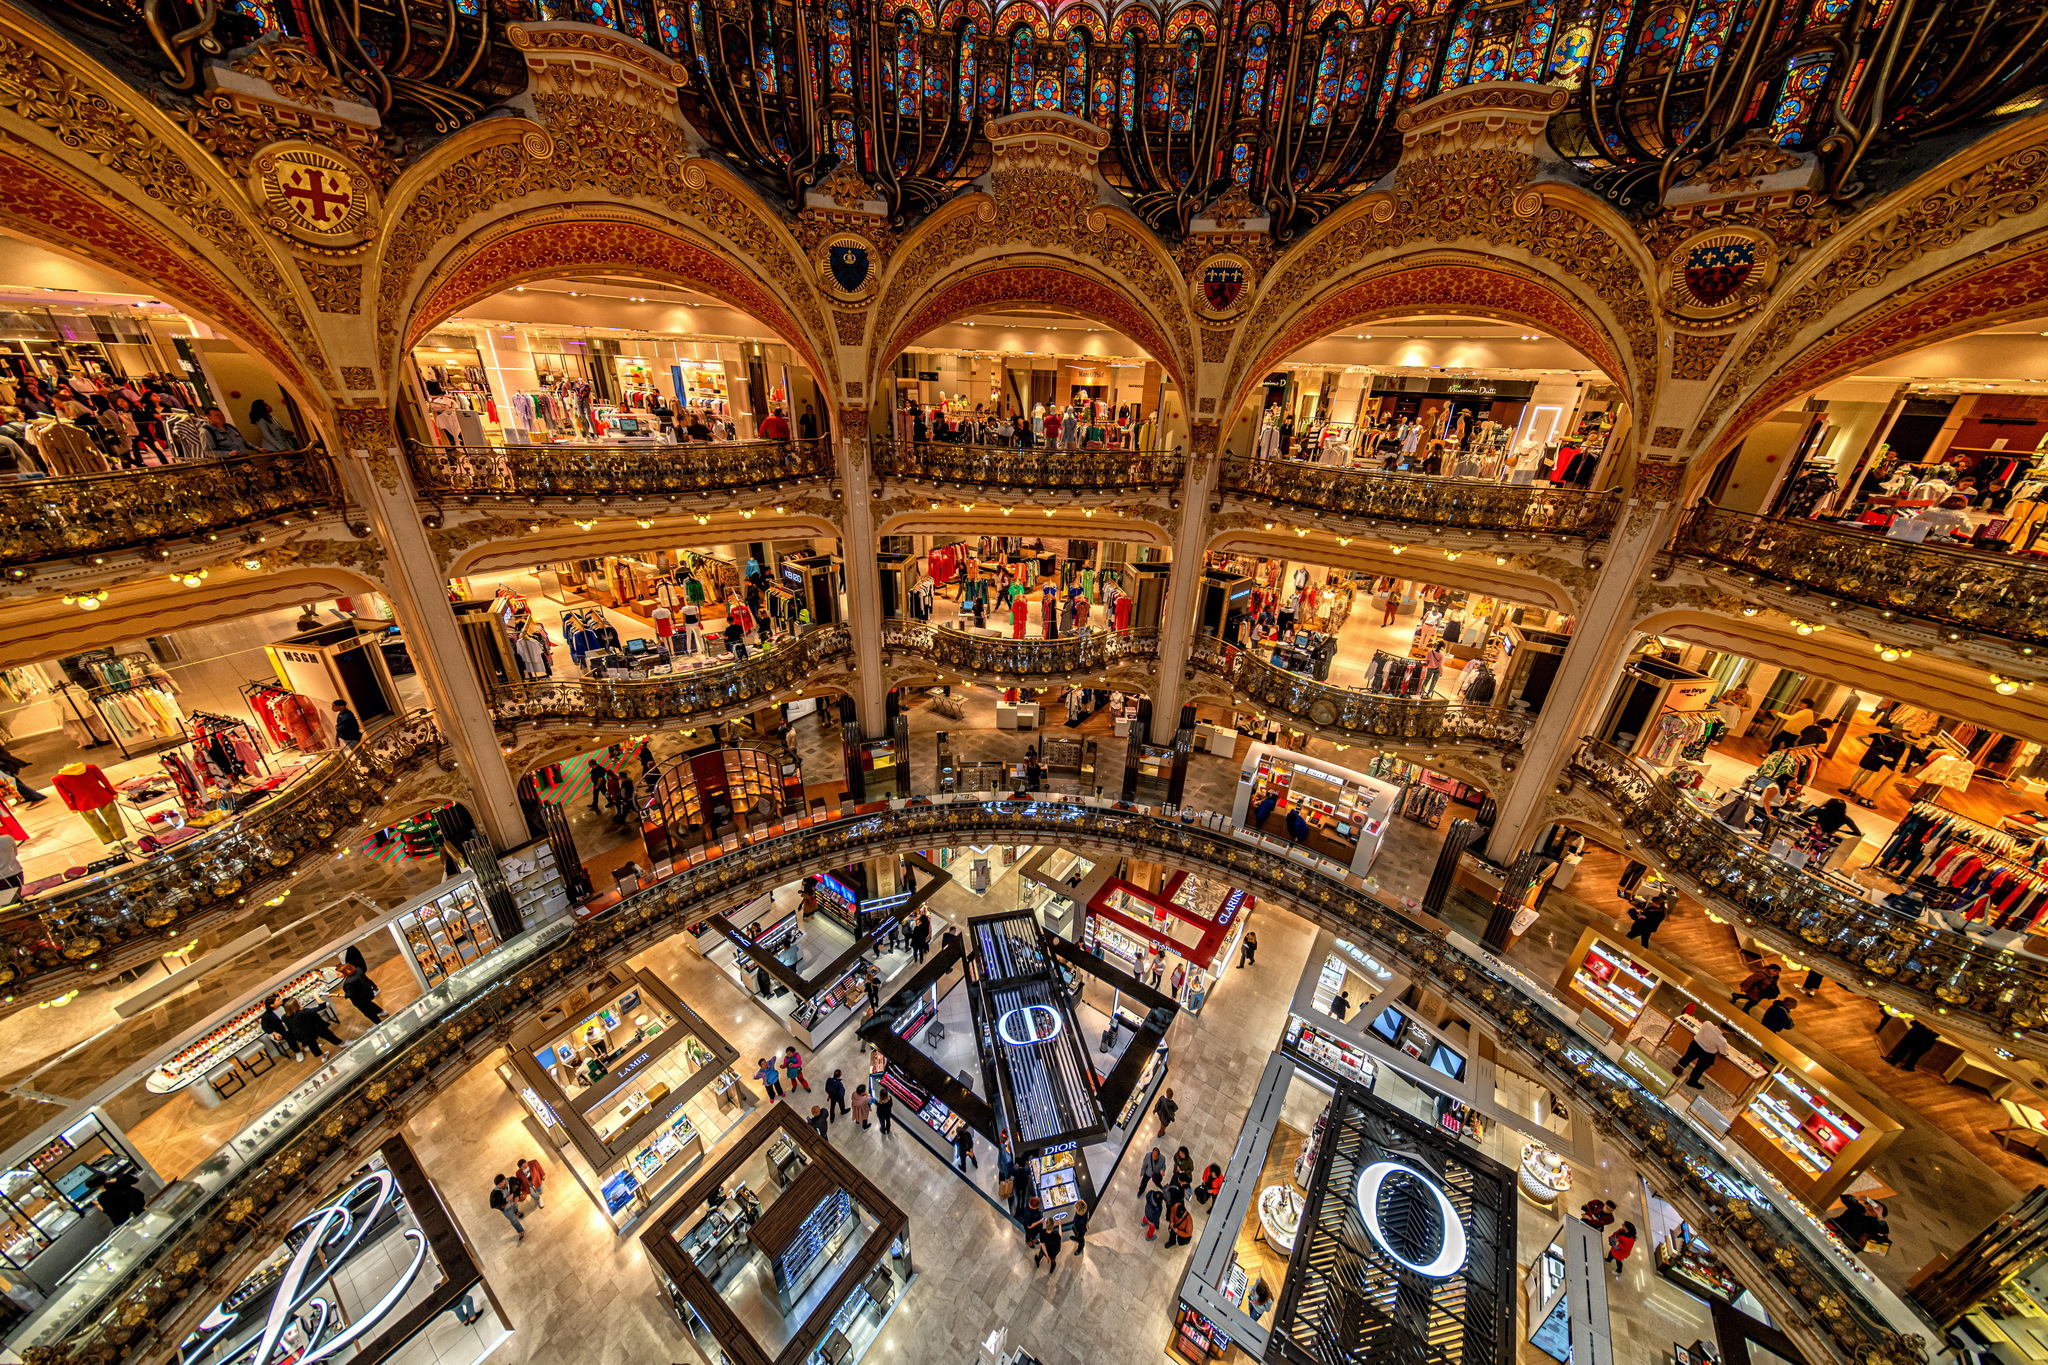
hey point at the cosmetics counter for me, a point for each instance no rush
(630, 1086)
(216, 1062)
(1802, 1123)
(828, 1001)
(1347, 811)
(49, 1220)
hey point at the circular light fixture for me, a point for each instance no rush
(1451, 1248)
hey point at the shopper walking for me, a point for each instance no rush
(1180, 1227)
(820, 1120)
(1183, 1168)
(274, 1025)
(1251, 949)
(793, 1071)
(1917, 1042)
(770, 1079)
(307, 1029)
(1778, 1017)
(885, 1108)
(13, 767)
(1620, 1243)
(362, 993)
(531, 1172)
(1212, 1184)
(1259, 1302)
(1048, 1246)
(835, 1094)
(1078, 1225)
(1155, 1209)
(860, 1106)
(1597, 1213)
(1165, 1110)
(501, 1200)
(963, 1150)
(1153, 1171)
(1644, 921)
(1758, 986)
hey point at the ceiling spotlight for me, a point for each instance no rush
(86, 601)
(1891, 654)
(643, 523)
(1750, 609)
(191, 578)
(1398, 549)
(1807, 627)
(2005, 686)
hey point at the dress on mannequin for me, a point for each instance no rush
(85, 789)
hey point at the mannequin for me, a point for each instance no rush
(85, 789)
(1528, 459)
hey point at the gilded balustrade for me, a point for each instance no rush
(576, 470)
(1423, 499)
(1970, 590)
(42, 520)
(126, 913)
(1369, 716)
(1963, 977)
(261, 1174)
(993, 654)
(1039, 469)
(696, 694)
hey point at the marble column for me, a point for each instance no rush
(1586, 674)
(858, 545)
(417, 583)
(1177, 616)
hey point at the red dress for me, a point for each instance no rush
(1020, 611)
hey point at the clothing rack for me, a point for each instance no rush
(106, 694)
(94, 727)
(289, 719)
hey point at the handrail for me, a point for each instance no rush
(1972, 590)
(1423, 499)
(127, 913)
(261, 1173)
(1369, 716)
(42, 520)
(1033, 658)
(1950, 973)
(696, 694)
(569, 470)
(1039, 469)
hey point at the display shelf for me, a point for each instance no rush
(207, 1054)
(1614, 981)
(1781, 1128)
(1332, 1052)
(446, 932)
(1280, 1208)
(1544, 1176)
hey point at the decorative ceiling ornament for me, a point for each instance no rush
(1223, 286)
(848, 265)
(313, 194)
(1718, 277)
(294, 73)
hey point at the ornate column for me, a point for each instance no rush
(1190, 525)
(417, 580)
(858, 545)
(1585, 677)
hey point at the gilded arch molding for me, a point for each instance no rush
(570, 239)
(1964, 231)
(98, 172)
(949, 518)
(1449, 282)
(1002, 285)
(494, 543)
(1541, 576)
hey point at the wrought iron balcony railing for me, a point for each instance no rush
(1038, 469)
(141, 1272)
(1971, 982)
(1009, 658)
(48, 943)
(1370, 717)
(701, 694)
(1968, 590)
(1423, 499)
(616, 471)
(43, 520)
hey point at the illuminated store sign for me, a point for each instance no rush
(1450, 1253)
(332, 1234)
(1039, 1024)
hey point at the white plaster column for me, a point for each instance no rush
(858, 544)
(417, 584)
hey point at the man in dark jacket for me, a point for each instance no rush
(362, 993)
(274, 1025)
(120, 1198)
(307, 1028)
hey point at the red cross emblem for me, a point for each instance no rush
(321, 195)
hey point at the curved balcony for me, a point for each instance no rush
(109, 921)
(702, 694)
(1368, 716)
(1423, 499)
(1967, 590)
(1972, 983)
(573, 471)
(1009, 658)
(1805, 1281)
(95, 515)
(1037, 470)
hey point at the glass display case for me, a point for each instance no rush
(538, 887)
(1614, 983)
(444, 931)
(1329, 1052)
(223, 1041)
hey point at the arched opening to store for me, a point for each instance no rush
(1937, 445)
(104, 373)
(1440, 394)
(609, 359)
